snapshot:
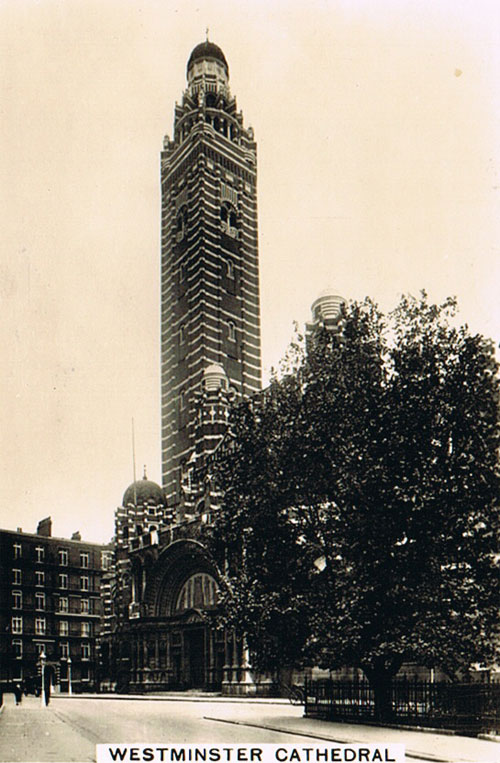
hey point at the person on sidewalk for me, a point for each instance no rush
(18, 693)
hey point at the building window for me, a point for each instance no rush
(17, 550)
(40, 553)
(183, 399)
(63, 580)
(85, 651)
(230, 269)
(16, 577)
(40, 649)
(17, 648)
(231, 331)
(106, 560)
(85, 630)
(84, 606)
(63, 604)
(84, 560)
(17, 600)
(84, 583)
(40, 626)
(182, 334)
(63, 628)
(64, 649)
(17, 625)
(39, 578)
(85, 673)
(40, 601)
(63, 557)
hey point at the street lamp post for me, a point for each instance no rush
(43, 699)
(69, 676)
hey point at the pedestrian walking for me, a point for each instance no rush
(18, 693)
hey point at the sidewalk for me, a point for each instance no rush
(420, 745)
(29, 732)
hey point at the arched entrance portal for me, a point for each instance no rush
(172, 645)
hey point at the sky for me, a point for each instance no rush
(377, 126)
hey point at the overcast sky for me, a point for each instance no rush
(378, 125)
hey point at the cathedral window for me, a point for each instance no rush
(229, 218)
(181, 224)
(198, 592)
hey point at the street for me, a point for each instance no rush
(69, 728)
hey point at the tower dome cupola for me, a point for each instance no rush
(327, 307)
(207, 51)
(207, 63)
(214, 378)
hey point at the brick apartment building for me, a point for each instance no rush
(50, 603)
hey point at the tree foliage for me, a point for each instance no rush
(375, 455)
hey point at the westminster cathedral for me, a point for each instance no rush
(156, 632)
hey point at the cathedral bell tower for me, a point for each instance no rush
(209, 260)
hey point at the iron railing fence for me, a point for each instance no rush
(468, 708)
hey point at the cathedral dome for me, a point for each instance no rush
(207, 50)
(214, 378)
(144, 492)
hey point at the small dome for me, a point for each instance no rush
(207, 50)
(144, 492)
(327, 306)
(214, 377)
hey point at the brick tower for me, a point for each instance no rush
(209, 260)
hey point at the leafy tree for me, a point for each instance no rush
(376, 455)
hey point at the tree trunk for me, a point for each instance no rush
(380, 674)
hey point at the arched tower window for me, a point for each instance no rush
(210, 100)
(181, 226)
(229, 220)
(231, 331)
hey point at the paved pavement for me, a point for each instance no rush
(69, 728)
